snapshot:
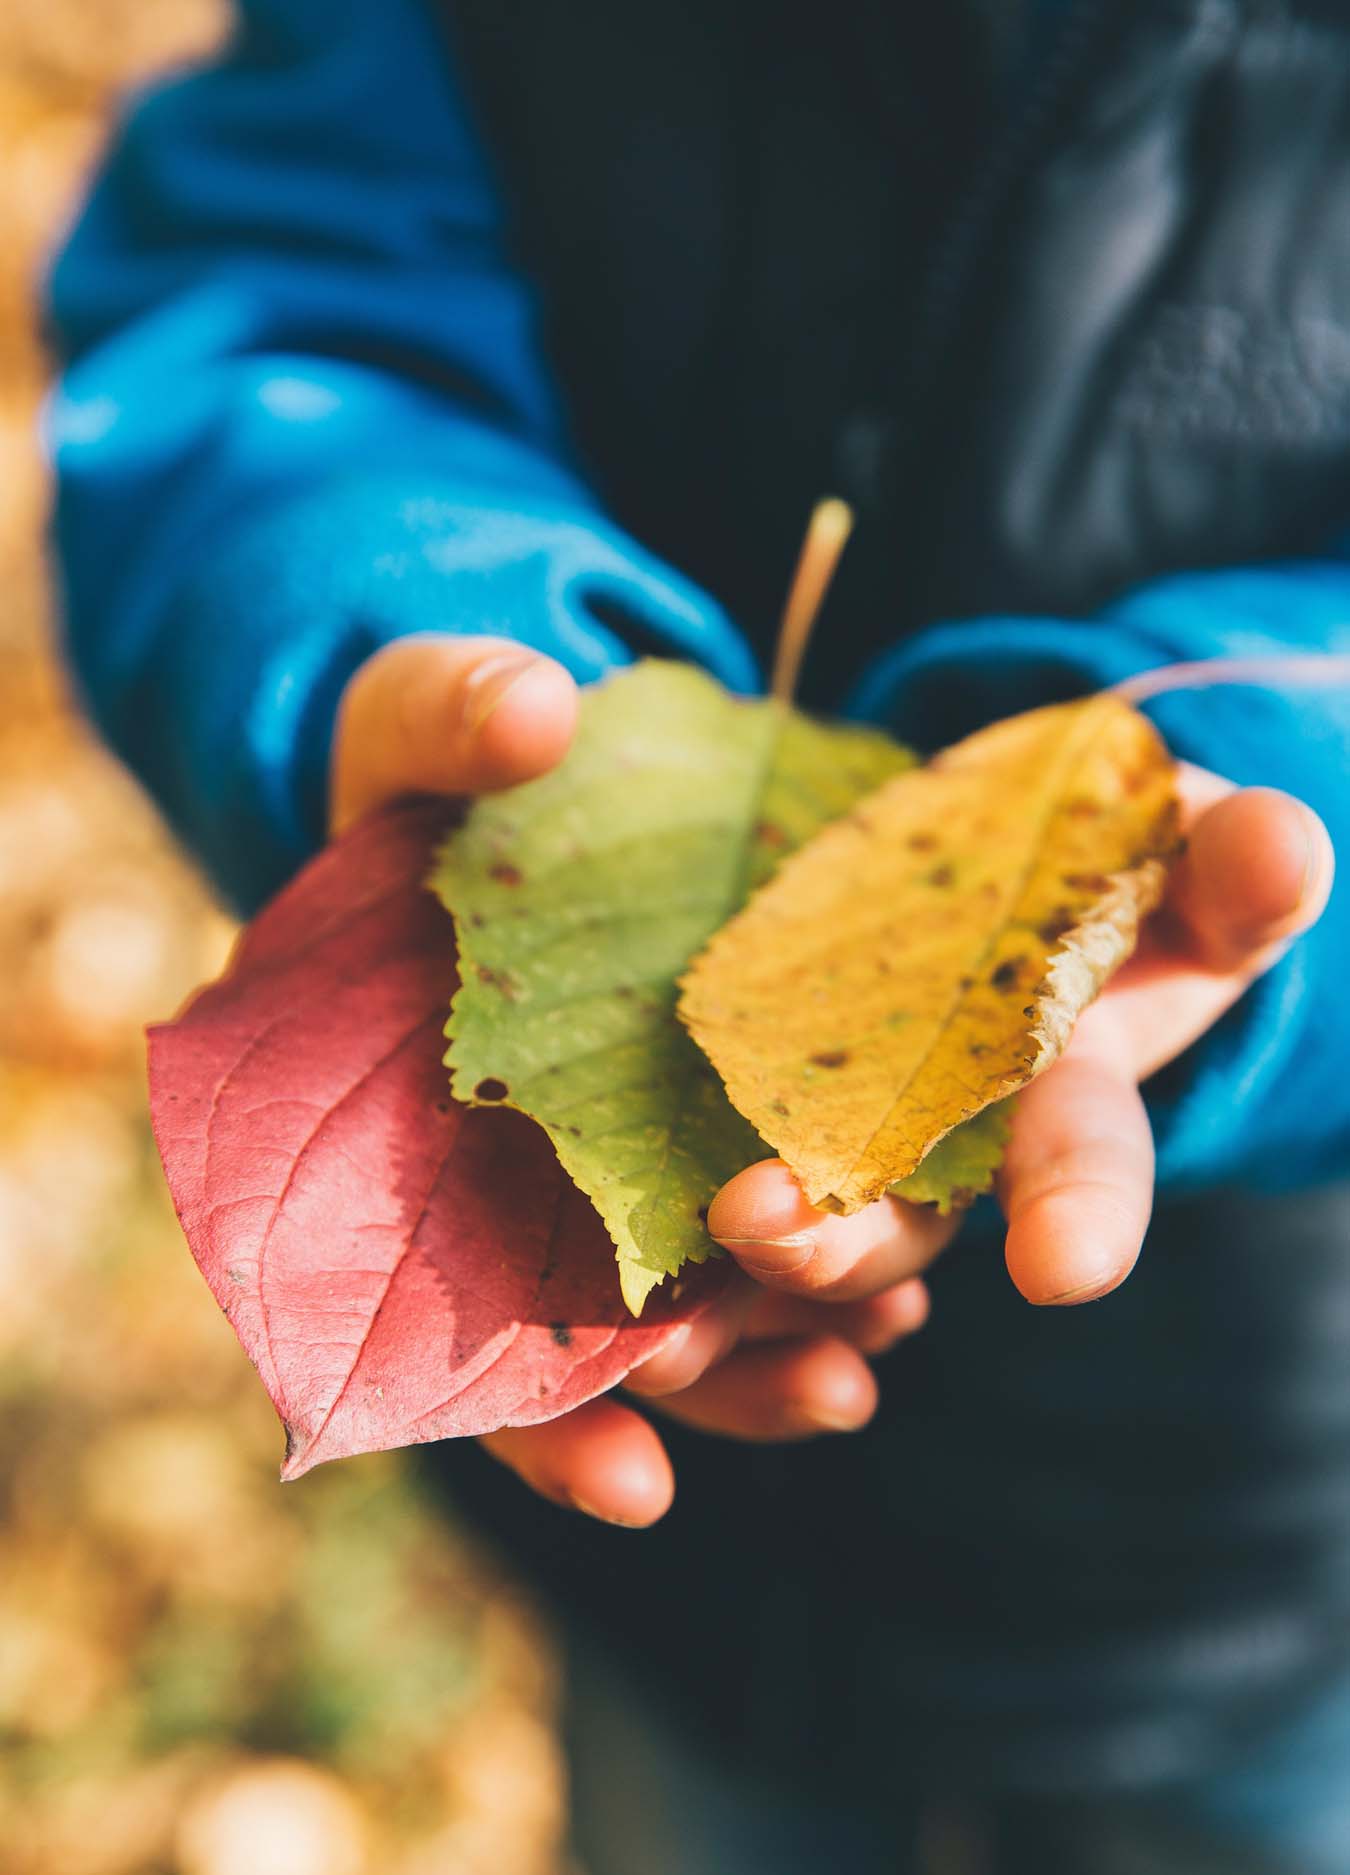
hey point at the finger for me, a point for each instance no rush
(781, 1390)
(762, 1218)
(872, 1326)
(1077, 1181)
(601, 1458)
(445, 715)
(695, 1347)
(1256, 871)
(755, 1314)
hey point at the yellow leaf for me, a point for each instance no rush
(930, 952)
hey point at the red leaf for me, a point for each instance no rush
(397, 1267)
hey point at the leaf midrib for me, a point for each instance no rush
(1034, 851)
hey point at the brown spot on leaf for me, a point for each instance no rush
(497, 980)
(769, 835)
(1060, 920)
(922, 843)
(1083, 807)
(831, 1058)
(491, 1089)
(1006, 973)
(561, 1333)
(942, 875)
(505, 873)
(1087, 881)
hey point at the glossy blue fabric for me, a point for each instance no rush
(305, 412)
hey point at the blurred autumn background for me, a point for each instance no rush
(201, 1673)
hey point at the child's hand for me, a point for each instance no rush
(454, 716)
(1077, 1184)
(784, 1354)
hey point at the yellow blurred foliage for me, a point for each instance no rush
(200, 1672)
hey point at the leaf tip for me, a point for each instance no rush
(298, 1457)
(635, 1284)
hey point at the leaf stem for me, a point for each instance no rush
(826, 537)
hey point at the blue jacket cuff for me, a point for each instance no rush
(232, 720)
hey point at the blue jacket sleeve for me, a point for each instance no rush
(304, 412)
(1265, 1098)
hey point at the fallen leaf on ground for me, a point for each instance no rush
(398, 1267)
(578, 900)
(929, 953)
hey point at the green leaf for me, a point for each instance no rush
(961, 1167)
(578, 900)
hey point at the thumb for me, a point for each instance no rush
(1257, 871)
(437, 714)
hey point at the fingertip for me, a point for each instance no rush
(1072, 1246)
(633, 1492)
(830, 1387)
(1320, 874)
(693, 1348)
(436, 713)
(762, 1219)
(762, 1202)
(1273, 853)
(794, 1388)
(528, 727)
(900, 1311)
(1258, 871)
(601, 1459)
